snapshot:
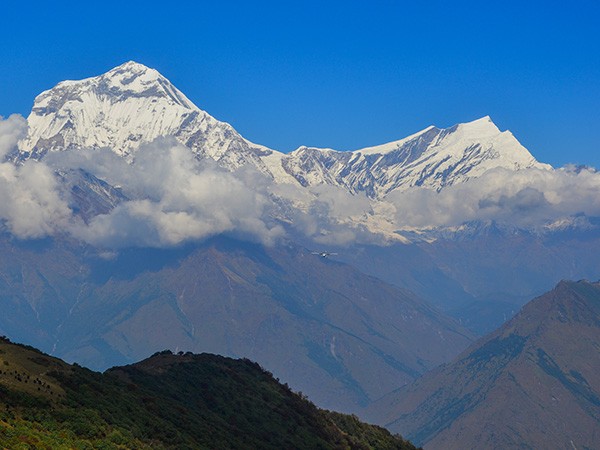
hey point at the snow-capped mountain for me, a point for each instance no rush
(132, 104)
(433, 158)
(127, 106)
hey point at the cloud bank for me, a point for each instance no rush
(31, 205)
(173, 198)
(525, 198)
(170, 197)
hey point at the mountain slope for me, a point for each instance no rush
(166, 401)
(482, 273)
(321, 325)
(534, 383)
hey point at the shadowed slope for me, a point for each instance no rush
(166, 401)
(321, 325)
(534, 383)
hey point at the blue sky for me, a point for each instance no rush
(334, 74)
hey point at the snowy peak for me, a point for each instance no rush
(124, 108)
(395, 145)
(476, 131)
(432, 158)
(120, 109)
(481, 128)
(127, 80)
(133, 78)
(479, 141)
(132, 71)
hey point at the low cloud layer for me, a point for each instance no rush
(11, 130)
(31, 205)
(169, 197)
(526, 198)
(173, 198)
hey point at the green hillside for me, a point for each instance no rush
(166, 401)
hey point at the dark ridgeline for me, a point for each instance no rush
(175, 401)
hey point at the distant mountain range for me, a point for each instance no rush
(167, 401)
(533, 383)
(133, 104)
(484, 273)
(318, 324)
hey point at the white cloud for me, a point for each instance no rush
(326, 214)
(175, 198)
(31, 205)
(524, 198)
(11, 130)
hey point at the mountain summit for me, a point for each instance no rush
(434, 157)
(133, 104)
(127, 106)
